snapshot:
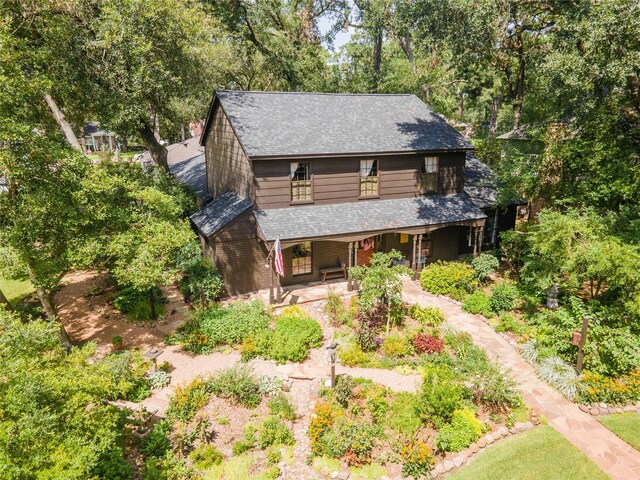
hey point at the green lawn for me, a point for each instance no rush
(626, 426)
(15, 290)
(541, 454)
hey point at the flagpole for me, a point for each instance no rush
(271, 297)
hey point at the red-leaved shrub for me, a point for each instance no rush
(425, 343)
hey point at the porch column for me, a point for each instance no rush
(355, 262)
(350, 263)
(271, 295)
(494, 233)
(480, 238)
(414, 264)
(419, 253)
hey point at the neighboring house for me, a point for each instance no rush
(187, 164)
(336, 177)
(97, 139)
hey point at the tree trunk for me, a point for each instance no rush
(493, 122)
(183, 136)
(65, 126)
(388, 314)
(377, 59)
(203, 300)
(4, 302)
(46, 300)
(461, 106)
(158, 151)
(152, 304)
(520, 87)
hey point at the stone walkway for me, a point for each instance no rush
(616, 458)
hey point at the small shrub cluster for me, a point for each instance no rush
(237, 384)
(281, 407)
(417, 459)
(478, 303)
(485, 265)
(353, 440)
(427, 316)
(135, 303)
(615, 391)
(158, 379)
(440, 395)
(507, 322)
(222, 325)
(205, 456)
(396, 346)
(344, 390)
(558, 373)
(186, 401)
(321, 422)
(273, 432)
(291, 340)
(334, 309)
(157, 443)
(369, 324)
(503, 297)
(448, 278)
(463, 430)
(352, 356)
(495, 390)
(402, 415)
(425, 343)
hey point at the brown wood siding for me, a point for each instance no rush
(444, 243)
(241, 257)
(391, 241)
(228, 167)
(323, 255)
(337, 180)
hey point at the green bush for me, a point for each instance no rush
(355, 438)
(353, 356)
(427, 316)
(448, 278)
(156, 443)
(507, 322)
(205, 456)
(344, 390)
(334, 309)
(417, 459)
(440, 395)
(186, 401)
(495, 390)
(237, 384)
(503, 297)
(463, 430)
(223, 325)
(402, 415)
(273, 432)
(280, 406)
(484, 266)
(291, 340)
(136, 305)
(396, 346)
(478, 303)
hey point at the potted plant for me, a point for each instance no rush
(117, 342)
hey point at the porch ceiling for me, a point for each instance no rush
(370, 216)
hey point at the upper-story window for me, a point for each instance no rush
(368, 178)
(301, 188)
(429, 175)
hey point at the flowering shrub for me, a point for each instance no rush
(417, 459)
(616, 391)
(186, 401)
(463, 430)
(448, 278)
(353, 356)
(322, 420)
(396, 346)
(484, 265)
(351, 440)
(425, 343)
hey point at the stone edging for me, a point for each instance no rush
(457, 460)
(598, 409)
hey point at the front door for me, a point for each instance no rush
(366, 248)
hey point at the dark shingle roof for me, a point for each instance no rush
(480, 183)
(289, 124)
(220, 213)
(314, 221)
(192, 173)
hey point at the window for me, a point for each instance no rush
(301, 258)
(368, 178)
(301, 182)
(429, 175)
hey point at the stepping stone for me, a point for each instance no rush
(584, 408)
(594, 411)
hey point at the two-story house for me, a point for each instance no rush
(334, 177)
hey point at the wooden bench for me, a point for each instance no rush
(342, 270)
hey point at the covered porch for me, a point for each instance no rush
(423, 230)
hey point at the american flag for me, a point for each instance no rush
(277, 258)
